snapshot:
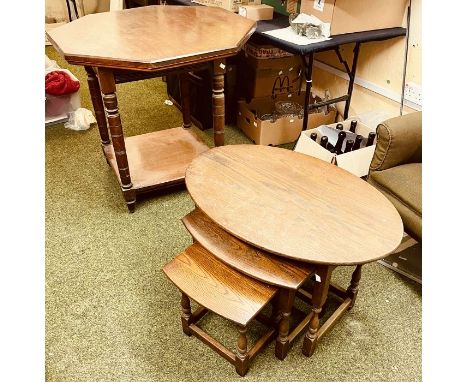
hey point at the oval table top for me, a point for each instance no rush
(294, 205)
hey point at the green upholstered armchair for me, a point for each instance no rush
(396, 168)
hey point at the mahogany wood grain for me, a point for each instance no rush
(219, 69)
(152, 38)
(184, 86)
(243, 257)
(141, 43)
(294, 205)
(216, 286)
(109, 98)
(98, 106)
(159, 159)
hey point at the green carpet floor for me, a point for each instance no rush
(111, 315)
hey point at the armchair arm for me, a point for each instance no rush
(399, 141)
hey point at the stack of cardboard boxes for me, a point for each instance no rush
(271, 77)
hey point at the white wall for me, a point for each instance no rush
(380, 64)
(58, 9)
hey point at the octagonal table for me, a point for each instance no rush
(139, 43)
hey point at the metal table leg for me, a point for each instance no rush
(351, 75)
(308, 75)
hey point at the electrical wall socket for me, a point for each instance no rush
(413, 93)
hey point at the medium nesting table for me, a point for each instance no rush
(279, 217)
(147, 42)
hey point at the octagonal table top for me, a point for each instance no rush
(294, 205)
(152, 37)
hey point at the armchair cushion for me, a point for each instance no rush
(399, 141)
(402, 186)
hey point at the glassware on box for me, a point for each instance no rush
(272, 117)
(295, 27)
(288, 108)
(312, 31)
(305, 29)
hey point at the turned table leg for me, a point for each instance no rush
(219, 69)
(286, 301)
(184, 85)
(242, 361)
(353, 288)
(319, 296)
(186, 314)
(107, 83)
(98, 106)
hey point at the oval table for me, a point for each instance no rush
(298, 207)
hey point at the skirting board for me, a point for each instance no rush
(368, 85)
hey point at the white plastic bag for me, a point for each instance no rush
(80, 119)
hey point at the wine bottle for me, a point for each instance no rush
(339, 142)
(349, 145)
(353, 125)
(339, 126)
(324, 141)
(313, 136)
(370, 139)
(357, 142)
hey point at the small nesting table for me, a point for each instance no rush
(147, 42)
(260, 208)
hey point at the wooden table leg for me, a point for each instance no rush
(319, 296)
(96, 98)
(242, 361)
(107, 83)
(186, 314)
(184, 85)
(353, 288)
(219, 69)
(286, 301)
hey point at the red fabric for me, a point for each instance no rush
(60, 83)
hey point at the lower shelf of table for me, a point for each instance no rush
(158, 159)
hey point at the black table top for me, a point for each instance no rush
(281, 21)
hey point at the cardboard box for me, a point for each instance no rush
(283, 7)
(272, 77)
(356, 162)
(256, 12)
(348, 16)
(284, 129)
(230, 5)
(265, 51)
